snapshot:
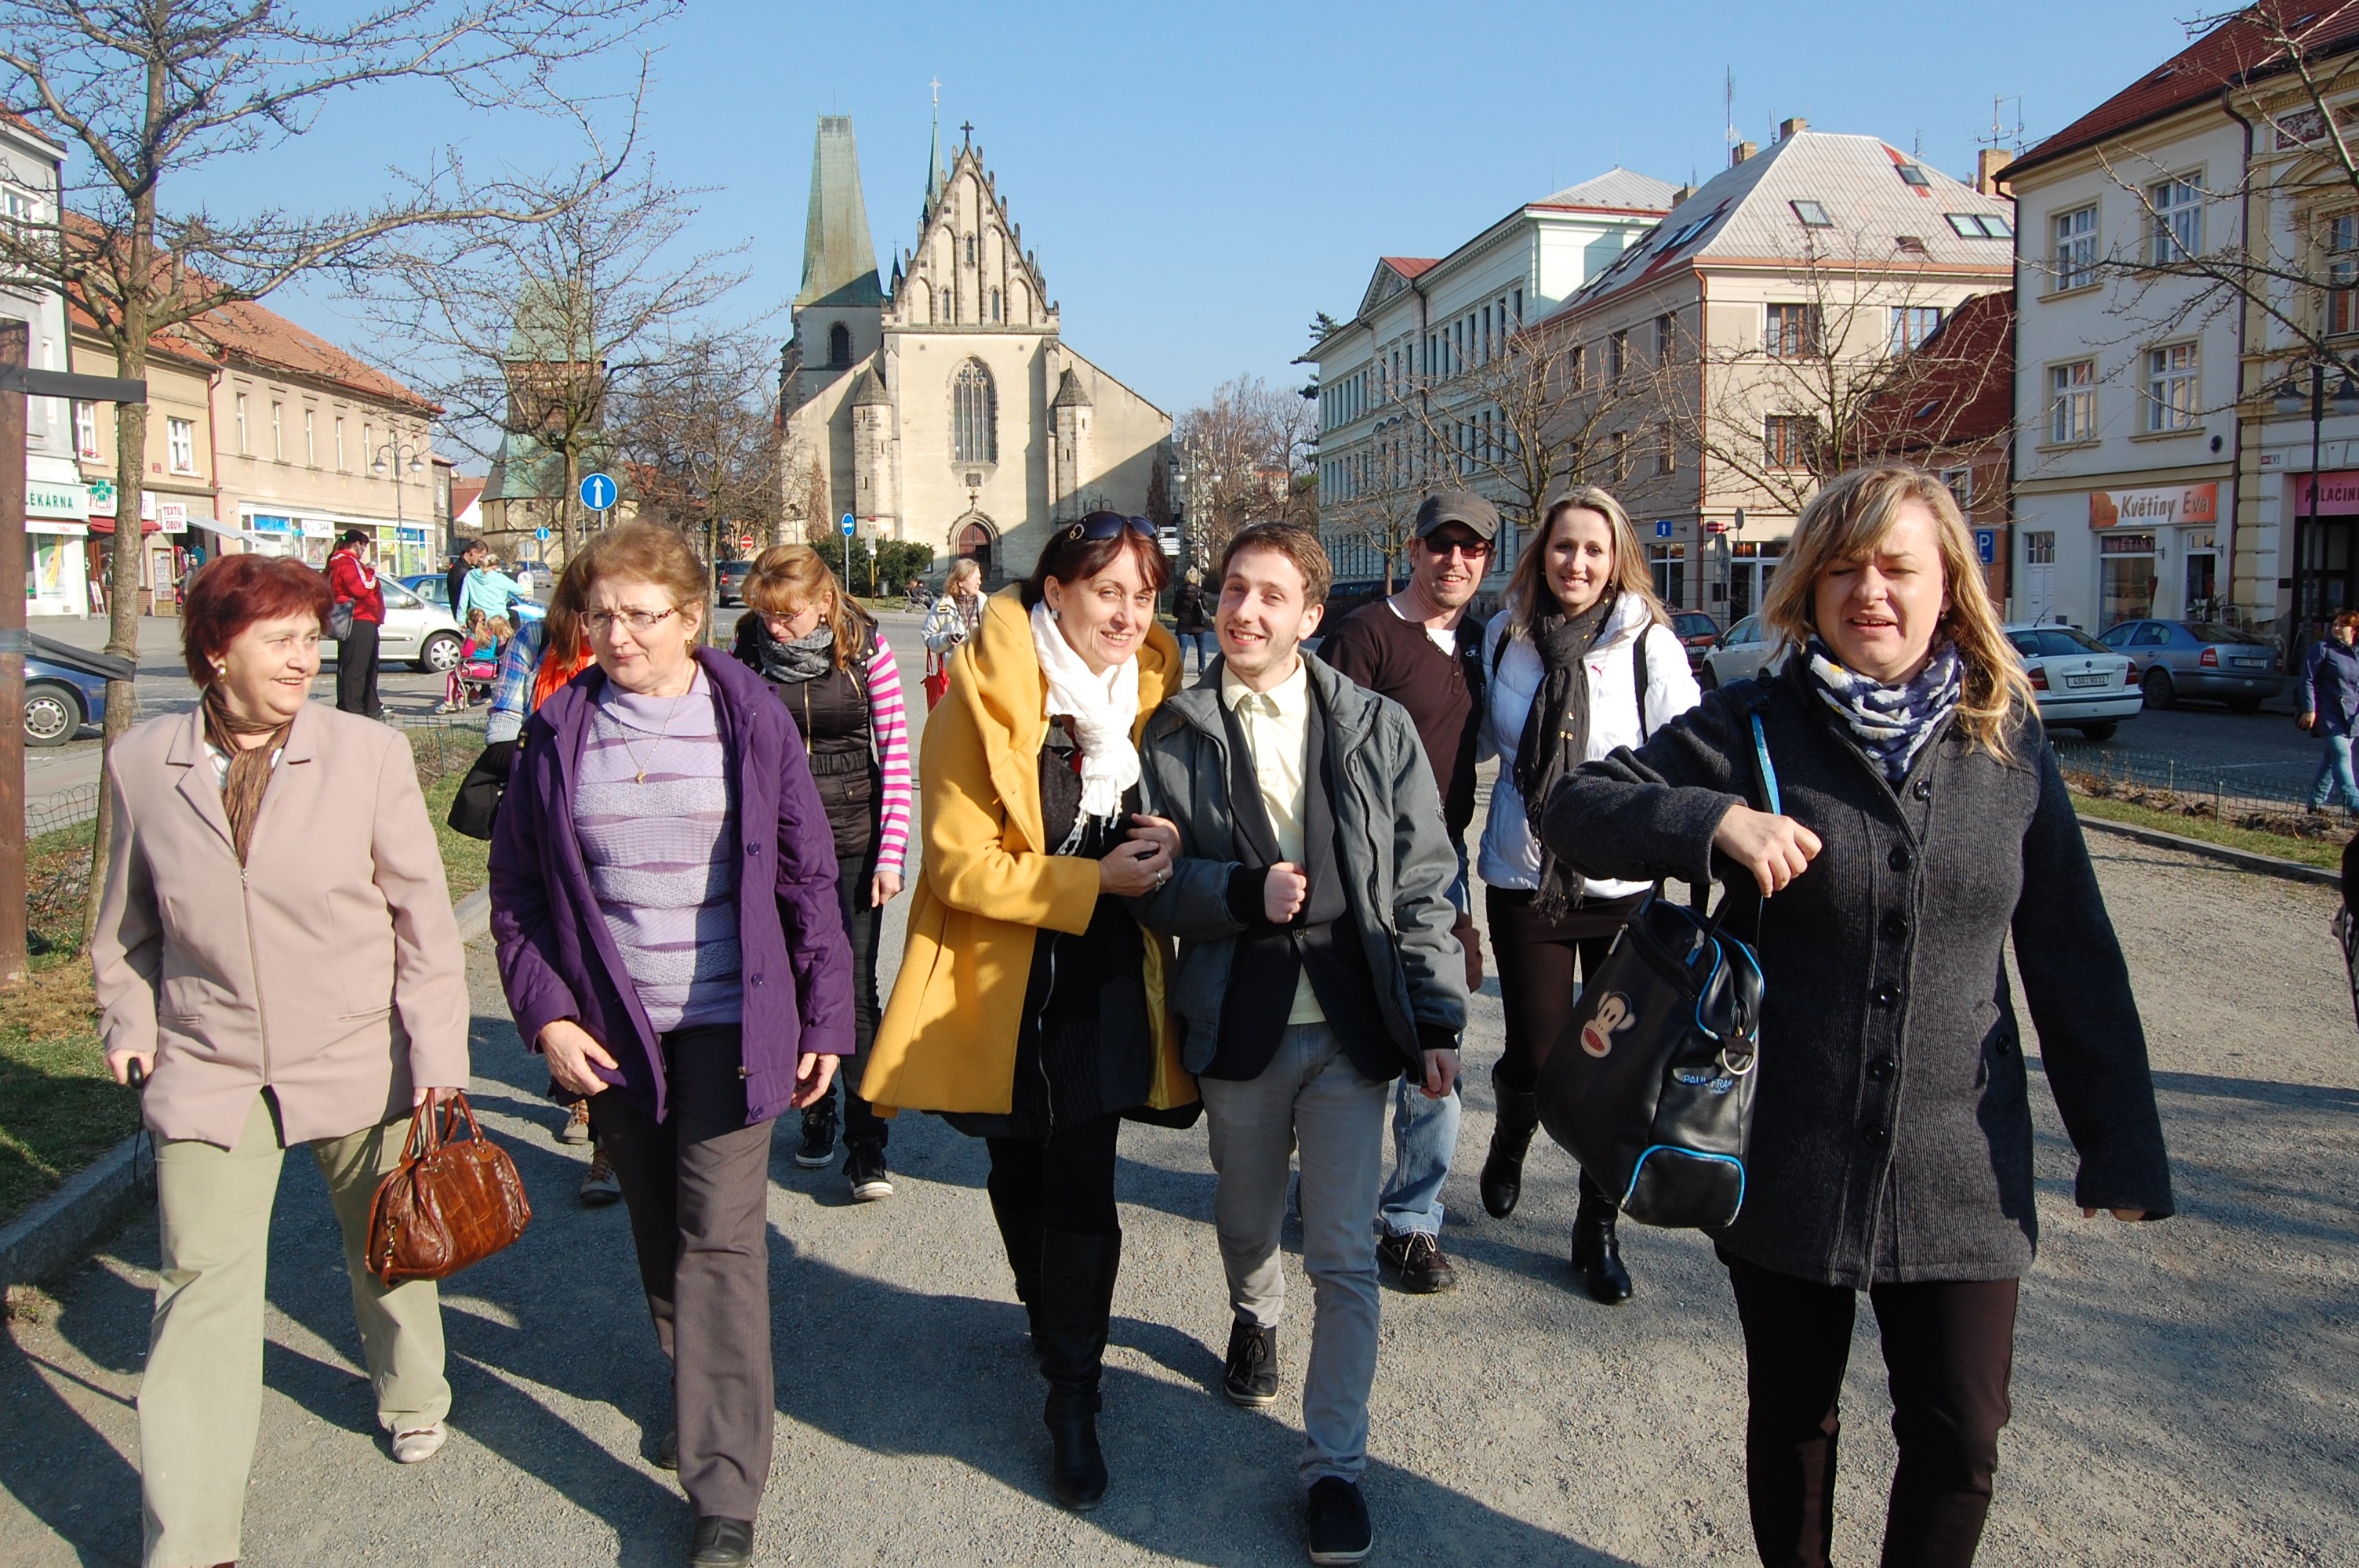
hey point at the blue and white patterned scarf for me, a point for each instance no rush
(1891, 723)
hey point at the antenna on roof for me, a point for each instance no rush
(2000, 133)
(1728, 101)
(1916, 147)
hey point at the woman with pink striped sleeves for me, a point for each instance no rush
(824, 657)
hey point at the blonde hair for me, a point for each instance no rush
(965, 567)
(789, 579)
(1847, 521)
(1528, 593)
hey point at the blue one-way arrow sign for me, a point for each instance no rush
(598, 492)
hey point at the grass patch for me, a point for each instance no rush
(466, 862)
(2325, 852)
(60, 1109)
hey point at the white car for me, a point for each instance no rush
(1739, 654)
(423, 634)
(2080, 683)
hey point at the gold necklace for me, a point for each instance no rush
(640, 776)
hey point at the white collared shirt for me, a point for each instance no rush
(1277, 725)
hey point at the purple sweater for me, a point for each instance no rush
(558, 959)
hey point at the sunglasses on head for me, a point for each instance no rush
(1109, 526)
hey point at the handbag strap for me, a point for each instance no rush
(1768, 769)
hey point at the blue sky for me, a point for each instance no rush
(1199, 181)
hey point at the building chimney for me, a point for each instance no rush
(1990, 167)
(1682, 194)
(1740, 152)
(1788, 129)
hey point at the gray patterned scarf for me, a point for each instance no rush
(1890, 723)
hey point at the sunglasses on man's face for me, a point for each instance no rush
(1439, 544)
(1108, 526)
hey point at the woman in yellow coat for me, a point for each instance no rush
(1029, 1007)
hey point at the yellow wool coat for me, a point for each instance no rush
(949, 1035)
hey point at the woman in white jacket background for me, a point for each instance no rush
(1582, 660)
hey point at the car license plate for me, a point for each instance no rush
(2089, 680)
(2250, 664)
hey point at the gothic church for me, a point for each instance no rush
(947, 408)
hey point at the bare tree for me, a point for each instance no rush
(525, 333)
(149, 93)
(1244, 451)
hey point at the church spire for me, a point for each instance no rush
(839, 257)
(934, 155)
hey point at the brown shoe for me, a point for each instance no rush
(599, 1187)
(1417, 1258)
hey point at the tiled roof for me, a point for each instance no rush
(2240, 48)
(11, 117)
(1960, 390)
(1874, 214)
(464, 493)
(263, 337)
(1412, 267)
(1617, 190)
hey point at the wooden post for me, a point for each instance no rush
(16, 353)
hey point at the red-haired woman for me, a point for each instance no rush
(275, 949)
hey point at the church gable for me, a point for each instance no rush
(968, 267)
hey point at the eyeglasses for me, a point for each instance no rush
(598, 623)
(1473, 549)
(1108, 526)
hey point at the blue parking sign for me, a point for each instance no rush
(1986, 545)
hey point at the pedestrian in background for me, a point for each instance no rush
(1421, 648)
(489, 590)
(663, 898)
(454, 578)
(1188, 622)
(1892, 1140)
(2327, 704)
(1296, 796)
(957, 615)
(1029, 1008)
(832, 668)
(275, 949)
(1583, 661)
(352, 579)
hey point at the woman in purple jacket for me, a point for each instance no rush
(653, 798)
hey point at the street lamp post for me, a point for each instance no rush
(2292, 400)
(390, 457)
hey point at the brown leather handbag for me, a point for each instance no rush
(452, 1201)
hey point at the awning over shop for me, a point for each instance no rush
(104, 525)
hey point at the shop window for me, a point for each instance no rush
(2126, 582)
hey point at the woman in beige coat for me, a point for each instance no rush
(275, 949)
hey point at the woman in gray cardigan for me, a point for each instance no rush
(1925, 820)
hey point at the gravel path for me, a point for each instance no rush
(2185, 1392)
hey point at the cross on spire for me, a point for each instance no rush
(937, 86)
(967, 130)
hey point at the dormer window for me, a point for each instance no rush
(1914, 176)
(1812, 214)
(1980, 225)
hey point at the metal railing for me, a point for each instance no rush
(2267, 796)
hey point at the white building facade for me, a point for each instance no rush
(57, 504)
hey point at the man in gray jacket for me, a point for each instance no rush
(1310, 896)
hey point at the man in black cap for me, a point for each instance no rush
(1421, 649)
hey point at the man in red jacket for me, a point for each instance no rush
(352, 580)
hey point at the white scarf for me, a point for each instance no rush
(1103, 708)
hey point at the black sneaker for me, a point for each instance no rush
(1335, 1523)
(1417, 1259)
(864, 1169)
(818, 1147)
(1251, 1378)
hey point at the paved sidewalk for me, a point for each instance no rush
(2185, 1392)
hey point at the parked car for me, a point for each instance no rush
(65, 689)
(1739, 654)
(2200, 658)
(423, 633)
(2079, 682)
(1697, 632)
(730, 583)
(435, 590)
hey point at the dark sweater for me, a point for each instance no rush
(1892, 1139)
(1395, 658)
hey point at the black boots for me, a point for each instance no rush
(1511, 1140)
(1076, 1299)
(1596, 1254)
(1019, 1232)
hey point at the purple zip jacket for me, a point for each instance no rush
(557, 960)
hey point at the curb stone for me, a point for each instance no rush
(474, 913)
(2243, 859)
(62, 1228)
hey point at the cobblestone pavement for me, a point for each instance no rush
(2184, 1391)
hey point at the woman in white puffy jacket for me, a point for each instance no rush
(1582, 660)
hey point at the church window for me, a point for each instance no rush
(970, 250)
(995, 304)
(839, 346)
(974, 437)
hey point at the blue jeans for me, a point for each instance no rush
(2334, 772)
(1425, 1136)
(1197, 638)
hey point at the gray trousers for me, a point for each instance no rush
(698, 1186)
(1312, 1097)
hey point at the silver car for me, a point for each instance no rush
(423, 634)
(1743, 651)
(2079, 682)
(2200, 658)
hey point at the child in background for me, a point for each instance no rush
(479, 664)
(454, 685)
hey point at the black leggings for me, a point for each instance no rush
(1540, 967)
(1068, 1176)
(864, 925)
(356, 659)
(1948, 1350)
